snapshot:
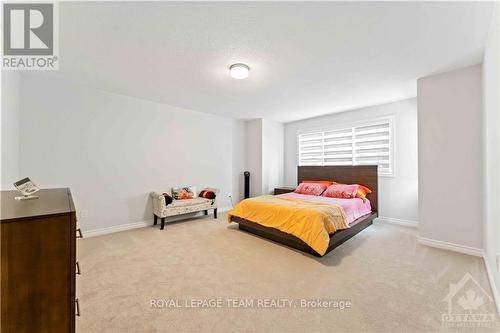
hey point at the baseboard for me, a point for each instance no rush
(493, 284)
(473, 251)
(116, 228)
(391, 220)
(129, 226)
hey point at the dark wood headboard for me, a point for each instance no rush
(366, 175)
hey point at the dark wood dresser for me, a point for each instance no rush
(38, 262)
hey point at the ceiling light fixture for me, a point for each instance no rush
(239, 71)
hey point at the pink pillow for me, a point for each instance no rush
(310, 189)
(341, 191)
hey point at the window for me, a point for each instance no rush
(365, 144)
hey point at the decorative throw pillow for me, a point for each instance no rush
(362, 192)
(341, 191)
(168, 198)
(181, 193)
(310, 188)
(207, 194)
(325, 182)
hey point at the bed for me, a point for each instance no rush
(366, 175)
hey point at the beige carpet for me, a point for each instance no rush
(394, 284)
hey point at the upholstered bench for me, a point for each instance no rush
(179, 207)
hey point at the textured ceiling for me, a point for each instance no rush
(306, 59)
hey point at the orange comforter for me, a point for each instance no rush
(312, 222)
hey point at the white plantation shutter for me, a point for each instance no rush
(372, 145)
(311, 149)
(337, 147)
(367, 144)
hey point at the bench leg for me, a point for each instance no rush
(206, 211)
(162, 223)
(156, 220)
(215, 213)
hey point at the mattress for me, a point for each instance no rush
(353, 208)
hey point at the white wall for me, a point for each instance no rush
(10, 129)
(238, 144)
(398, 195)
(264, 155)
(112, 150)
(450, 157)
(491, 125)
(272, 155)
(253, 155)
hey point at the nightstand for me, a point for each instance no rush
(282, 190)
